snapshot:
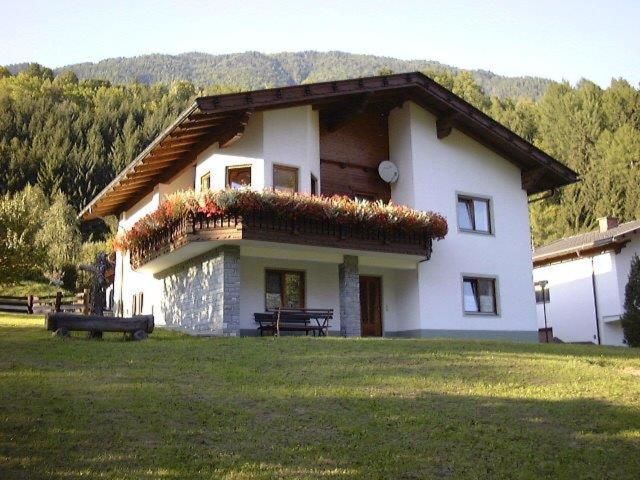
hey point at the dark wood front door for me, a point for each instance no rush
(371, 306)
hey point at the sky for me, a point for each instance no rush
(562, 40)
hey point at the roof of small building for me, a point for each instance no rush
(584, 243)
(222, 118)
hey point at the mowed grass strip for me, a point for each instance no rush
(246, 408)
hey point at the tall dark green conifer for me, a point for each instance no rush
(631, 317)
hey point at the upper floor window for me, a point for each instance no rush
(479, 295)
(285, 178)
(238, 177)
(474, 214)
(205, 181)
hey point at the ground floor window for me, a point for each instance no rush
(479, 295)
(284, 289)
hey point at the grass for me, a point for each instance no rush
(180, 407)
(30, 287)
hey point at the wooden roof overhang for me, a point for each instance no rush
(222, 119)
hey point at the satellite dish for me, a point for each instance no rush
(388, 171)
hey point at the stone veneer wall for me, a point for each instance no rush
(349, 282)
(202, 295)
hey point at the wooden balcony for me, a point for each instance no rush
(268, 228)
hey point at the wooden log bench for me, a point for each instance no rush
(62, 323)
(314, 320)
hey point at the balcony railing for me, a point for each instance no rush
(270, 228)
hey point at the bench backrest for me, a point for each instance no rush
(295, 315)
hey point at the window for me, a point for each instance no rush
(136, 304)
(284, 289)
(314, 185)
(474, 214)
(285, 178)
(542, 296)
(205, 182)
(479, 295)
(238, 177)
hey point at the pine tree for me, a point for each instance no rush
(59, 236)
(631, 317)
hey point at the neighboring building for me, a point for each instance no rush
(584, 279)
(329, 138)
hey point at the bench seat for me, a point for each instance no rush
(294, 320)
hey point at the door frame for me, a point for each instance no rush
(380, 279)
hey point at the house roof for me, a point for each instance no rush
(585, 243)
(222, 119)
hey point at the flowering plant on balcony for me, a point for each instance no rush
(292, 206)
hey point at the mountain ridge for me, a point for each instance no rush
(254, 70)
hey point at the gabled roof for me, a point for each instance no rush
(222, 119)
(586, 243)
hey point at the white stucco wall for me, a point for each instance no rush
(140, 282)
(292, 138)
(571, 310)
(289, 136)
(438, 171)
(248, 150)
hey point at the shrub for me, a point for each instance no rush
(631, 317)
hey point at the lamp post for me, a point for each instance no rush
(542, 284)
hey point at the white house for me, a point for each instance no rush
(325, 139)
(584, 279)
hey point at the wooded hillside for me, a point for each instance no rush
(253, 70)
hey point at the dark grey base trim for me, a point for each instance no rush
(513, 335)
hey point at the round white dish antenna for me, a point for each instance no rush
(388, 171)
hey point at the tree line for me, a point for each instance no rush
(256, 70)
(70, 137)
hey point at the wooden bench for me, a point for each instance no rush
(314, 320)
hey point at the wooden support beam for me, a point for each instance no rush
(157, 165)
(445, 124)
(195, 129)
(234, 133)
(230, 137)
(177, 142)
(532, 177)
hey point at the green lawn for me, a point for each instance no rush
(178, 407)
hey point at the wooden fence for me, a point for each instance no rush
(78, 303)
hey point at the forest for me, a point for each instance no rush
(255, 70)
(62, 139)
